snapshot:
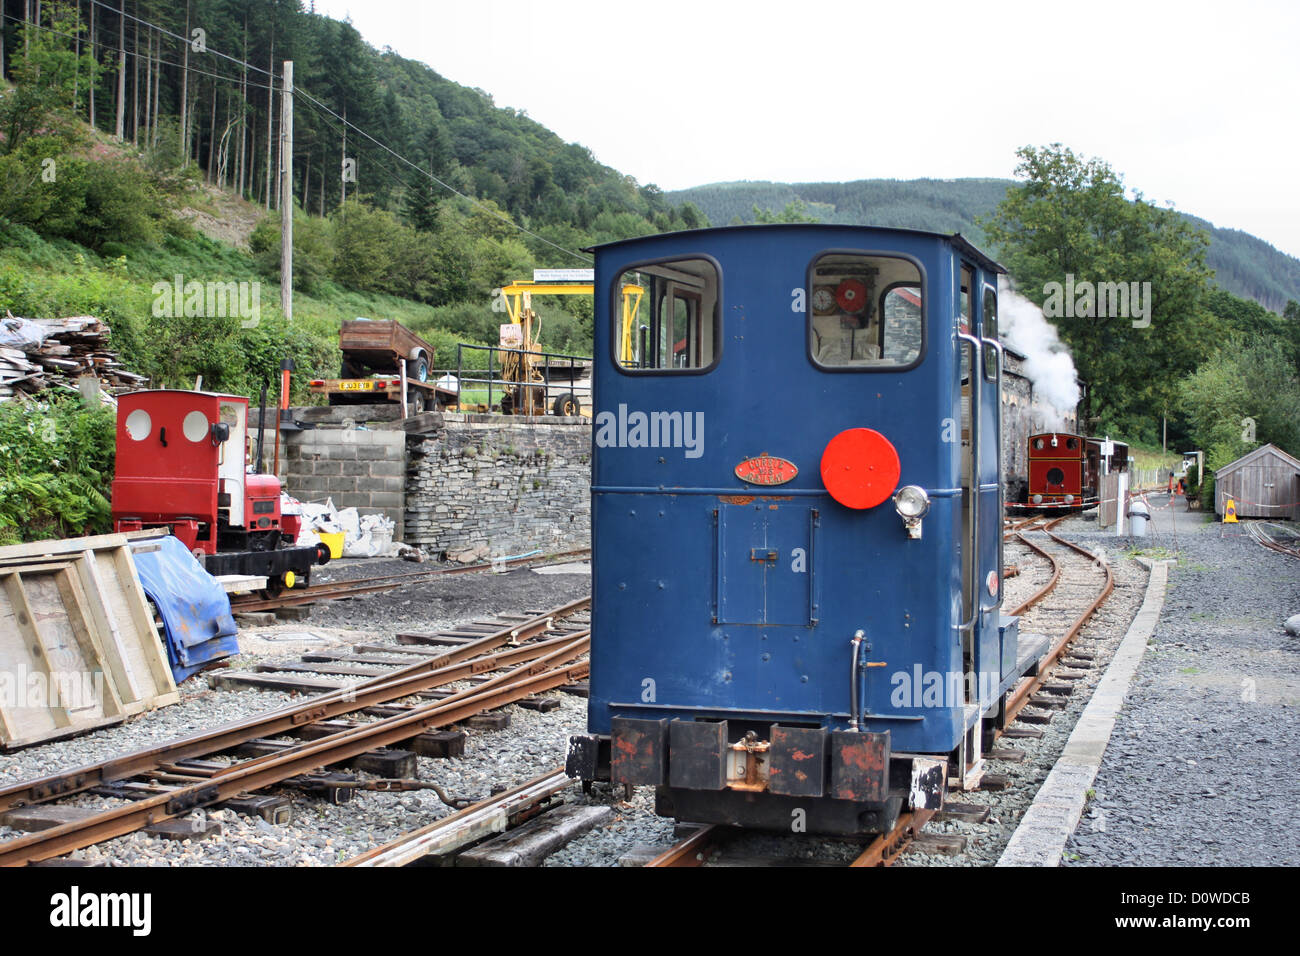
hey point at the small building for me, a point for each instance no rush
(1264, 484)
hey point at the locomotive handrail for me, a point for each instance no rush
(972, 478)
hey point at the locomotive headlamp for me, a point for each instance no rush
(912, 504)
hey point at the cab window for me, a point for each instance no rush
(865, 312)
(990, 332)
(666, 316)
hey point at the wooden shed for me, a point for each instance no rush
(1264, 484)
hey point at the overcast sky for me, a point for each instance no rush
(1193, 103)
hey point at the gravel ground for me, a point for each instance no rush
(1200, 767)
(439, 601)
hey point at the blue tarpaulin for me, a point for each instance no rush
(195, 609)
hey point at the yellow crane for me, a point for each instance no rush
(519, 367)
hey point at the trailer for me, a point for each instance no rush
(420, 396)
(381, 345)
(383, 361)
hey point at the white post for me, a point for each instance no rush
(1121, 503)
(403, 388)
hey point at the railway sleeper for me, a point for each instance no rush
(1057, 687)
(534, 841)
(382, 761)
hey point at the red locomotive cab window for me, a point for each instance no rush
(1072, 444)
(138, 425)
(195, 426)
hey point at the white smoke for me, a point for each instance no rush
(1048, 364)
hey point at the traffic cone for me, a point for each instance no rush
(1229, 512)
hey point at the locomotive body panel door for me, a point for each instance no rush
(763, 572)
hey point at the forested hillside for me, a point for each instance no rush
(133, 132)
(1243, 264)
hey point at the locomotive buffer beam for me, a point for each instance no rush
(809, 778)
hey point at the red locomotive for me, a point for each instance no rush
(181, 463)
(1065, 470)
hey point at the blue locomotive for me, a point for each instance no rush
(796, 525)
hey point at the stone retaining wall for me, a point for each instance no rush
(486, 486)
(355, 467)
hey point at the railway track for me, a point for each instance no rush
(709, 846)
(1080, 583)
(357, 587)
(520, 659)
(1256, 531)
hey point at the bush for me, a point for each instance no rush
(1207, 492)
(313, 250)
(56, 468)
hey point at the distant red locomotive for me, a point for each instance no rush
(181, 463)
(1065, 470)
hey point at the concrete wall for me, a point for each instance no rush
(356, 468)
(486, 486)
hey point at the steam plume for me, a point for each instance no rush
(1048, 364)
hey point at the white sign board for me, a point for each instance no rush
(512, 336)
(564, 275)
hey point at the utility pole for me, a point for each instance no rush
(286, 194)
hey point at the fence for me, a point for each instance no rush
(1149, 478)
(497, 382)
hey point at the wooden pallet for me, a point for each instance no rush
(77, 639)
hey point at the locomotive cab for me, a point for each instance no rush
(796, 524)
(182, 464)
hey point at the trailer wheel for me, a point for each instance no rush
(418, 402)
(420, 369)
(567, 405)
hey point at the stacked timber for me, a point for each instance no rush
(58, 352)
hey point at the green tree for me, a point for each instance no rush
(46, 78)
(795, 211)
(1246, 394)
(1070, 218)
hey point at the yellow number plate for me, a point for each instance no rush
(357, 386)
